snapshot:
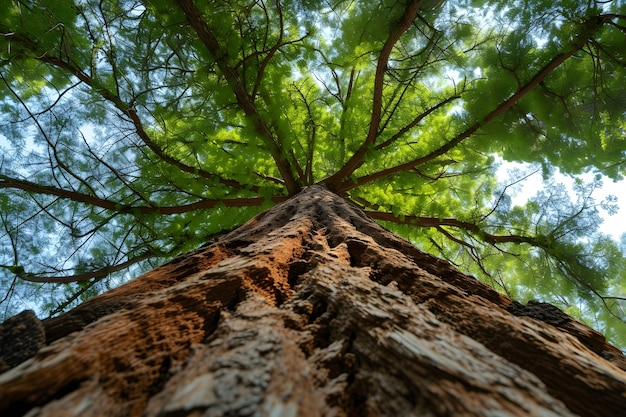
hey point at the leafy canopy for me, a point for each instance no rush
(134, 131)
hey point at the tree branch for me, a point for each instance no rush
(125, 108)
(243, 98)
(437, 223)
(590, 26)
(270, 53)
(8, 182)
(381, 67)
(308, 170)
(97, 274)
(131, 112)
(60, 163)
(415, 121)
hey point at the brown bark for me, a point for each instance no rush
(312, 309)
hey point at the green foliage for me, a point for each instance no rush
(131, 132)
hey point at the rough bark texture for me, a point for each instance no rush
(312, 309)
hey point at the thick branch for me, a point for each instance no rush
(381, 67)
(467, 226)
(590, 26)
(7, 182)
(244, 100)
(98, 274)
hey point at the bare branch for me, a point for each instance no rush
(51, 146)
(503, 193)
(307, 175)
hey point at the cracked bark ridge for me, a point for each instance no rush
(21, 337)
(312, 309)
(545, 312)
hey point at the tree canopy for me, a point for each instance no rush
(134, 131)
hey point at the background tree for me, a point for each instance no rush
(135, 131)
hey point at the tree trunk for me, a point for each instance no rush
(309, 309)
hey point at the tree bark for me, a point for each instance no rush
(312, 309)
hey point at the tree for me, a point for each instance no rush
(136, 131)
(133, 132)
(311, 309)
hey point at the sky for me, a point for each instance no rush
(612, 225)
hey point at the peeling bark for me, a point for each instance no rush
(312, 309)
